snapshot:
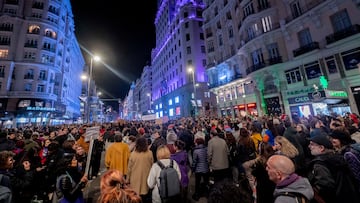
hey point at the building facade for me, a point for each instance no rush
(273, 56)
(40, 63)
(179, 83)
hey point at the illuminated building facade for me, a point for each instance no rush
(40, 63)
(176, 92)
(272, 56)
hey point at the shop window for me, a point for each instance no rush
(331, 65)
(293, 76)
(351, 58)
(24, 103)
(313, 70)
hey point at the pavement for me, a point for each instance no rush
(92, 190)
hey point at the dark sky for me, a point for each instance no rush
(122, 33)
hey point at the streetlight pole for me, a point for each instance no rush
(191, 70)
(96, 58)
(149, 96)
(244, 96)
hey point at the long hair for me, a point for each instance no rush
(287, 148)
(114, 190)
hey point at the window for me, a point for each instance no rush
(4, 53)
(171, 112)
(295, 9)
(248, 9)
(170, 102)
(312, 70)
(304, 37)
(202, 49)
(42, 75)
(293, 76)
(273, 51)
(28, 87)
(257, 57)
(187, 37)
(231, 32)
(188, 50)
(41, 88)
(351, 58)
(340, 21)
(331, 64)
(24, 103)
(220, 40)
(177, 100)
(266, 24)
(186, 24)
(2, 71)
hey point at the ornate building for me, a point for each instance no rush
(273, 56)
(40, 63)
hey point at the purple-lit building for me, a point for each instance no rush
(176, 91)
(40, 63)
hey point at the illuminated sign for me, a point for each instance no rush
(38, 108)
(296, 100)
(332, 93)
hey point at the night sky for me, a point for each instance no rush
(123, 36)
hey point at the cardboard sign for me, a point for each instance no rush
(92, 132)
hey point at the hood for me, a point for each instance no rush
(300, 185)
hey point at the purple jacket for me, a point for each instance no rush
(182, 160)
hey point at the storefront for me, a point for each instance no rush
(356, 93)
(245, 109)
(301, 106)
(330, 102)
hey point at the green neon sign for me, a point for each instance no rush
(342, 94)
(323, 82)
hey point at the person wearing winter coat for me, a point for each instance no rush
(281, 171)
(153, 180)
(117, 155)
(181, 158)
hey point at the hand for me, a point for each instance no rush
(84, 179)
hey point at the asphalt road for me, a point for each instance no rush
(92, 190)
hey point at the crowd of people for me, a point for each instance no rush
(252, 159)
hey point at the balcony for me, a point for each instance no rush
(275, 60)
(29, 76)
(225, 81)
(305, 49)
(255, 67)
(30, 45)
(342, 34)
(35, 95)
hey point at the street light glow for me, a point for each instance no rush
(190, 70)
(83, 77)
(96, 58)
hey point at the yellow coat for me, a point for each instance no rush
(117, 157)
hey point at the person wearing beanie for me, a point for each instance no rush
(171, 137)
(323, 171)
(343, 145)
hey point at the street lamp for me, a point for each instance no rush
(94, 58)
(149, 96)
(244, 97)
(191, 70)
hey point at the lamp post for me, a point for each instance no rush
(191, 70)
(244, 97)
(95, 58)
(149, 96)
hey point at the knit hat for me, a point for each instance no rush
(343, 136)
(199, 134)
(322, 140)
(141, 131)
(171, 137)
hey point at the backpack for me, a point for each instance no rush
(58, 194)
(352, 157)
(300, 198)
(5, 192)
(169, 181)
(347, 188)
